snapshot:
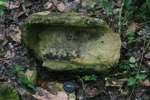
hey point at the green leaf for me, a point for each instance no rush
(130, 40)
(23, 80)
(86, 78)
(132, 59)
(124, 64)
(2, 3)
(7, 92)
(107, 6)
(130, 37)
(93, 77)
(131, 81)
(16, 68)
(148, 4)
(90, 77)
(132, 65)
(109, 9)
(130, 34)
(127, 4)
(140, 76)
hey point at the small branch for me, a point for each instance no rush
(120, 17)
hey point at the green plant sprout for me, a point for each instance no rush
(133, 80)
(130, 63)
(89, 77)
(2, 4)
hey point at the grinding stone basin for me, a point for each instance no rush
(67, 41)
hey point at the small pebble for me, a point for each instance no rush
(69, 87)
(147, 55)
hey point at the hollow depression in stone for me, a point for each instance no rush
(69, 41)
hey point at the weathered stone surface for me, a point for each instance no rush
(67, 41)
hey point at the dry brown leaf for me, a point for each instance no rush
(61, 7)
(133, 27)
(147, 63)
(61, 95)
(2, 36)
(12, 5)
(145, 83)
(16, 36)
(9, 54)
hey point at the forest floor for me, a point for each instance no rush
(128, 80)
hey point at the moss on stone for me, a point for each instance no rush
(65, 19)
(69, 41)
(69, 66)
